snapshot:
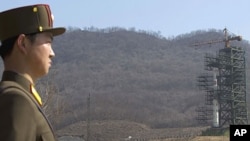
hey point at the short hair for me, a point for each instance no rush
(8, 44)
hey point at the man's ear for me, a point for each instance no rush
(21, 43)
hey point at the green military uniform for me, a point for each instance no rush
(21, 117)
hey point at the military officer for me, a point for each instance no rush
(26, 35)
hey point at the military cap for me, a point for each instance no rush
(27, 20)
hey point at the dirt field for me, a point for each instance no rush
(211, 138)
(121, 130)
(198, 138)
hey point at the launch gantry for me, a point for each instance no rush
(225, 87)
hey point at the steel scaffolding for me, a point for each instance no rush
(226, 85)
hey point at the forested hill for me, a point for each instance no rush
(131, 75)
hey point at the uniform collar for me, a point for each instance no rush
(18, 78)
(23, 82)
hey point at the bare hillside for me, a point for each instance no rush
(128, 75)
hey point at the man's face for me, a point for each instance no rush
(39, 54)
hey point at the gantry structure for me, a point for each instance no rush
(224, 85)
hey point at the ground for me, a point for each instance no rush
(126, 130)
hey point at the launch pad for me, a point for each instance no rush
(225, 87)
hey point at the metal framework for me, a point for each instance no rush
(232, 86)
(227, 85)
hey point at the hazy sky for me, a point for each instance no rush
(170, 17)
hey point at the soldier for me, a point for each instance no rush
(26, 35)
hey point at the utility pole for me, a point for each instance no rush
(88, 118)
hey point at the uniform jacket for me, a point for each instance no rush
(21, 117)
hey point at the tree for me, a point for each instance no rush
(53, 104)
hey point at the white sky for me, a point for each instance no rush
(170, 17)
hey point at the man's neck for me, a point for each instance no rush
(26, 75)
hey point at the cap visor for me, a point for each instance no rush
(56, 31)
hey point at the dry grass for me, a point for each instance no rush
(198, 138)
(211, 138)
